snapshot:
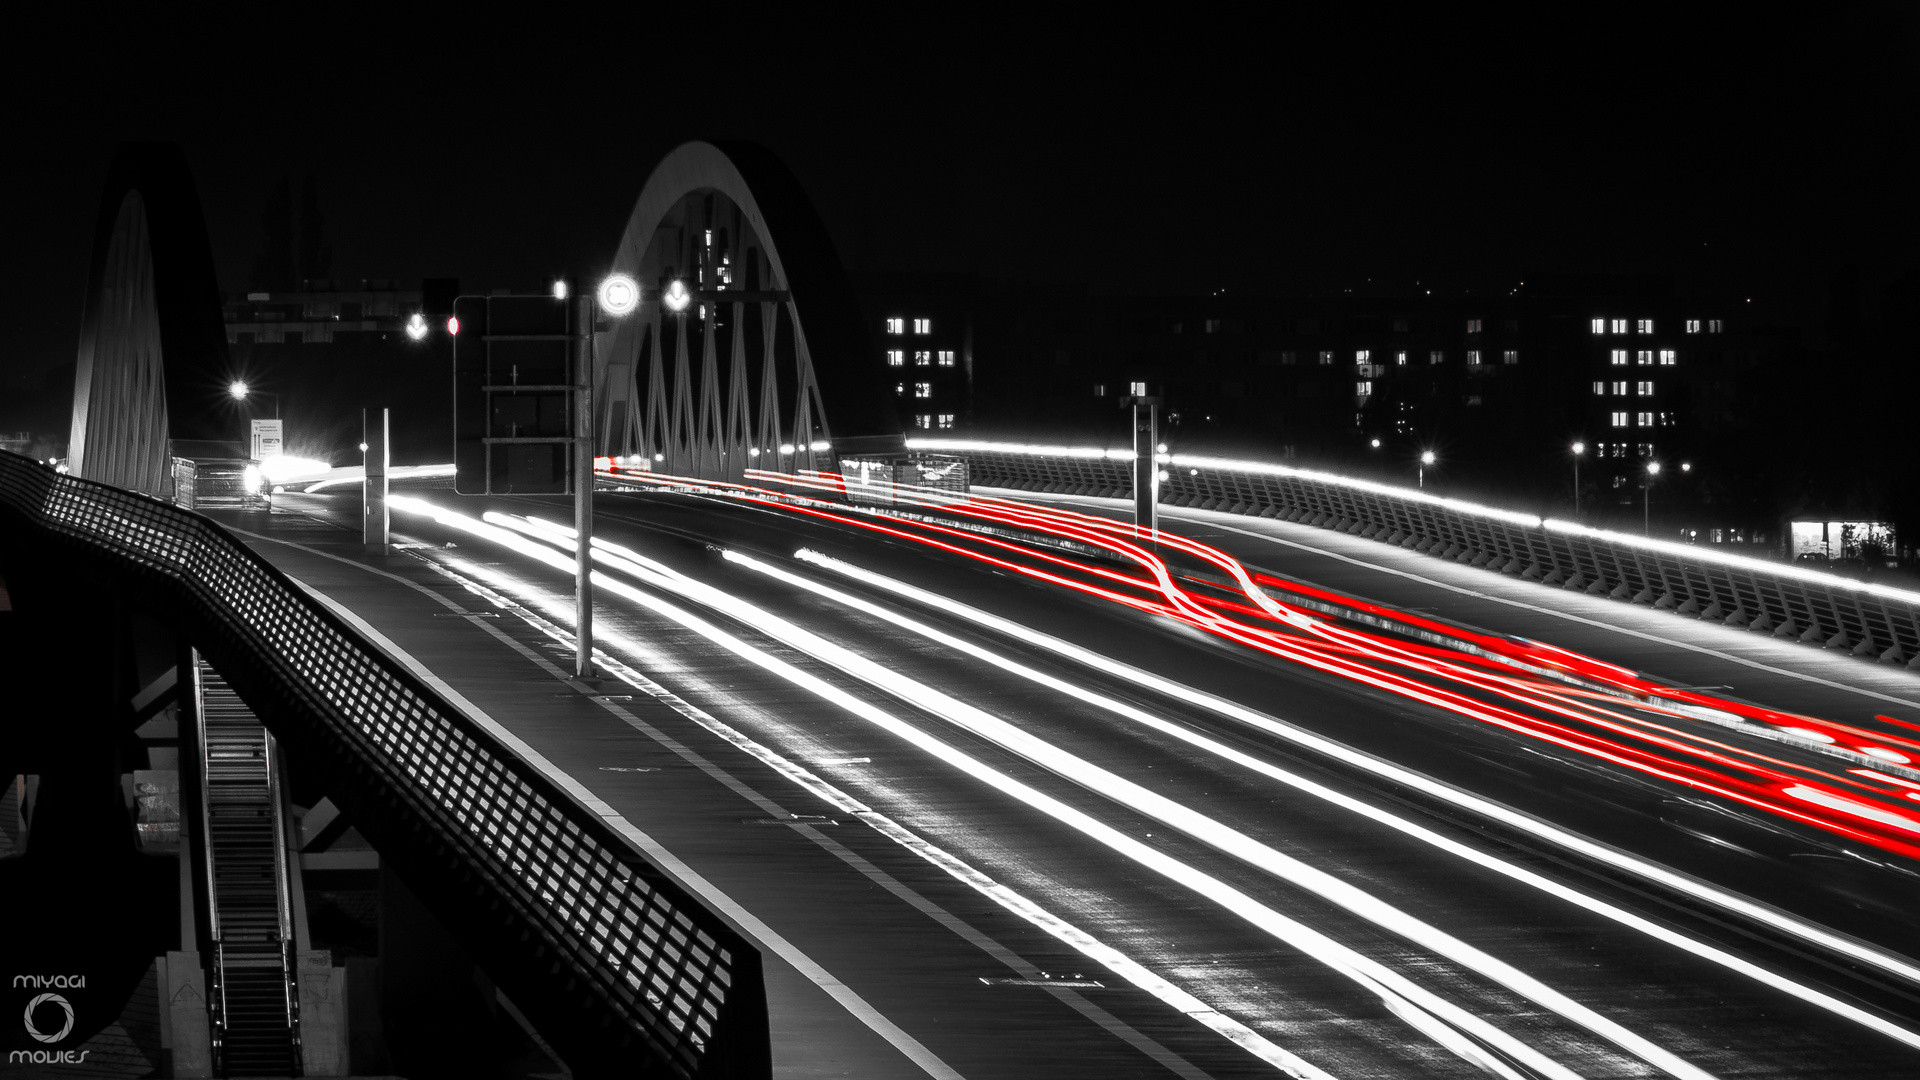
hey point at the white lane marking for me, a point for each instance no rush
(1600, 907)
(1240, 1034)
(748, 923)
(1570, 617)
(1376, 977)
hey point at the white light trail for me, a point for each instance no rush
(1127, 793)
(1121, 965)
(1140, 716)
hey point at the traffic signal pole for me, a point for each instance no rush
(583, 486)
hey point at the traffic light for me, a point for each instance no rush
(514, 374)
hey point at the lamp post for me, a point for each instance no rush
(617, 296)
(1426, 459)
(1646, 512)
(1579, 448)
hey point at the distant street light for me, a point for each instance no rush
(240, 391)
(619, 295)
(1376, 444)
(1646, 512)
(676, 297)
(417, 327)
(1426, 459)
(1579, 448)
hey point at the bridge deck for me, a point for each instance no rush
(826, 903)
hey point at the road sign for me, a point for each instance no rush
(516, 373)
(268, 440)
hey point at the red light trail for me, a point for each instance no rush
(1537, 690)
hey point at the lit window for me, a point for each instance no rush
(1619, 419)
(1363, 388)
(1473, 326)
(923, 421)
(1643, 326)
(923, 389)
(1620, 388)
(923, 326)
(896, 326)
(1326, 356)
(1693, 327)
(1510, 356)
(1400, 358)
(1099, 389)
(921, 358)
(946, 357)
(1644, 356)
(1644, 388)
(1599, 326)
(1600, 388)
(946, 421)
(1473, 357)
(1288, 356)
(1646, 449)
(1436, 356)
(1646, 419)
(1713, 326)
(1667, 357)
(1210, 326)
(1619, 357)
(1361, 356)
(1619, 326)
(896, 357)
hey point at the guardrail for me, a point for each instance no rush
(616, 965)
(1865, 619)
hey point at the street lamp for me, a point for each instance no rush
(619, 294)
(1579, 448)
(1426, 459)
(240, 391)
(1646, 512)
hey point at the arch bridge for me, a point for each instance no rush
(768, 367)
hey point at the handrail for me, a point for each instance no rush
(1865, 618)
(617, 965)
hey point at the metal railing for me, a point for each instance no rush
(1865, 619)
(614, 962)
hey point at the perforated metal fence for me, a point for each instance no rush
(1861, 618)
(631, 973)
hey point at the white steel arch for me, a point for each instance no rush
(698, 220)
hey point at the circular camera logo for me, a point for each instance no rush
(66, 1026)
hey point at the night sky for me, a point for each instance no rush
(1746, 154)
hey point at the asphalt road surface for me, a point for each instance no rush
(1301, 878)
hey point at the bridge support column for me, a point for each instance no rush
(374, 527)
